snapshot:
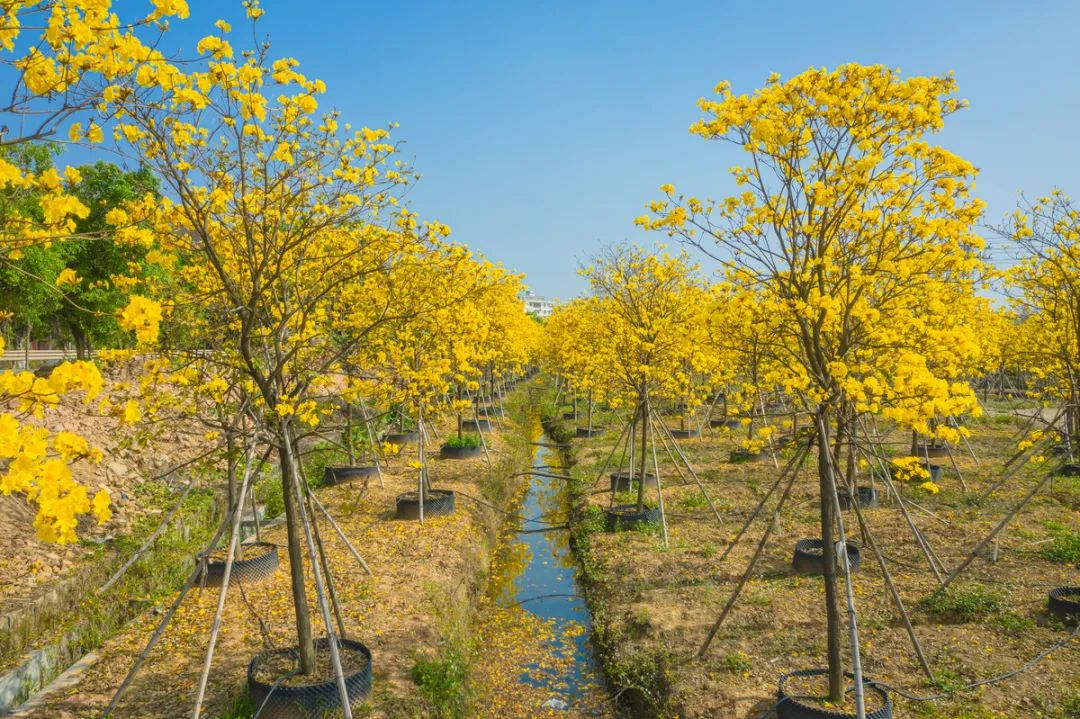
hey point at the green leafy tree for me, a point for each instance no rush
(28, 298)
(102, 265)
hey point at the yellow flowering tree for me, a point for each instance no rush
(1045, 290)
(285, 221)
(576, 345)
(857, 229)
(66, 57)
(653, 314)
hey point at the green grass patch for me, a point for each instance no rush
(241, 708)
(965, 603)
(694, 501)
(1065, 549)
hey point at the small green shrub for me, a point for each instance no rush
(268, 492)
(464, 441)
(442, 682)
(321, 456)
(966, 604)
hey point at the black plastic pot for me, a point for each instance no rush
(808, 557)
(936, 473)
(341, 475)
(472, 425)
(437, 503)
(789, 706)
(867, 497)
(448, 452)
(741, 456)
(590, 432)
(306, 701)
(569, 415)
(247, 571)
(1069, 470)
(685, 433)
(931, 450)
(627, 516)
(1064, 603)
(623, 482)
(400, 438)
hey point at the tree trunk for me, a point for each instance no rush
(644, 449)
(296, 559)
(828, 559)
(231, 462)
(349, 435)
(81, 340)
(459, 420)
(589, 424)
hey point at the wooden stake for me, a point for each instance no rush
(340, 533)
(693, 474)
(1001, 525)
(320, 594)
(659, 485)
(746, 574)
(215, 627)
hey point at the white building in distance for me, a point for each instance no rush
(536, 305)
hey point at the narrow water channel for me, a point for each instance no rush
(537, 618)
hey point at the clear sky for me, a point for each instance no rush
(542, 128)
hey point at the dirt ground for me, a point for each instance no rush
(132, 456)
(653, 606)
(421, 576)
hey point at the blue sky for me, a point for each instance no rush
(542, 128)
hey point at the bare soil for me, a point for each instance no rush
(814, 691)
(132, 458)
(272, 667)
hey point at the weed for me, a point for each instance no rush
(592, 520)
(966, 604)
(1064, 549)
(948, 680)
(241, 708)
(737, 663)
(442, 681)
(1070, 704)
(1014, 623)
(694, 501)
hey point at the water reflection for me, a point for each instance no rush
(535, 632)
